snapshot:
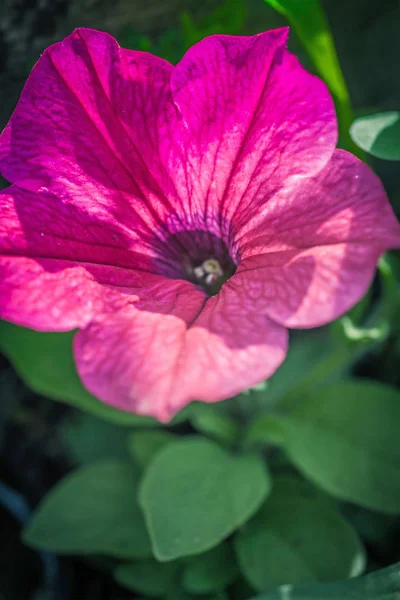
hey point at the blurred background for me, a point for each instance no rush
(36, 434)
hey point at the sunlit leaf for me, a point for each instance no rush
(378, 134)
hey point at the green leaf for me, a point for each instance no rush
(378, 134)
(314, 358)
(306, 352)
(297, 537)
(211, 571)
(88, 439)
(381, 585)
(345, 438)
(46, 364)
(194, 494)
(312, 28)
(209, 419)
(147, 577)
(92, 510)
(228, 17)
(144, 445)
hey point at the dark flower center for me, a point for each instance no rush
(200, 257)
(210, 275)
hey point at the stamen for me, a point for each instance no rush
(204, 259)
(209, 271)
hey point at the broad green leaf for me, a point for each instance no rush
(297, 537)
(378, 134)
(93, 510)
(194, 494)
(380, 585)
(345, 438)
(88, 438)
(45, 362)
(144, 444)
(147, 577)
(312, 28)
(211, 571)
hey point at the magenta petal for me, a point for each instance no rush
(315, 254)
(58, 263)
(254, 120)
(154, 358)
(88, 128)
(41, 225)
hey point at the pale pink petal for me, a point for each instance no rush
(153, 359)
(315, 254)
(59, 295)
(255, 121)
(48, 295)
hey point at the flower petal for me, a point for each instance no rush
(48, 295)
(255, 119)
(88, 127)
(40, 225)
(58, 264)
(315, 254)
(154, 360)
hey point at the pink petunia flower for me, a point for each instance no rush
(181, 218)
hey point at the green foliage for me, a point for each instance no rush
(144, 445)
(211, 571)
(211, 421)
(381, 585)
(345, 439)
(147, 577)
(228, 17)
(194, 494)
(297, 536)
(92, 510)
(378, 134)
(45, 362)
(88, 439)
(305, 353)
